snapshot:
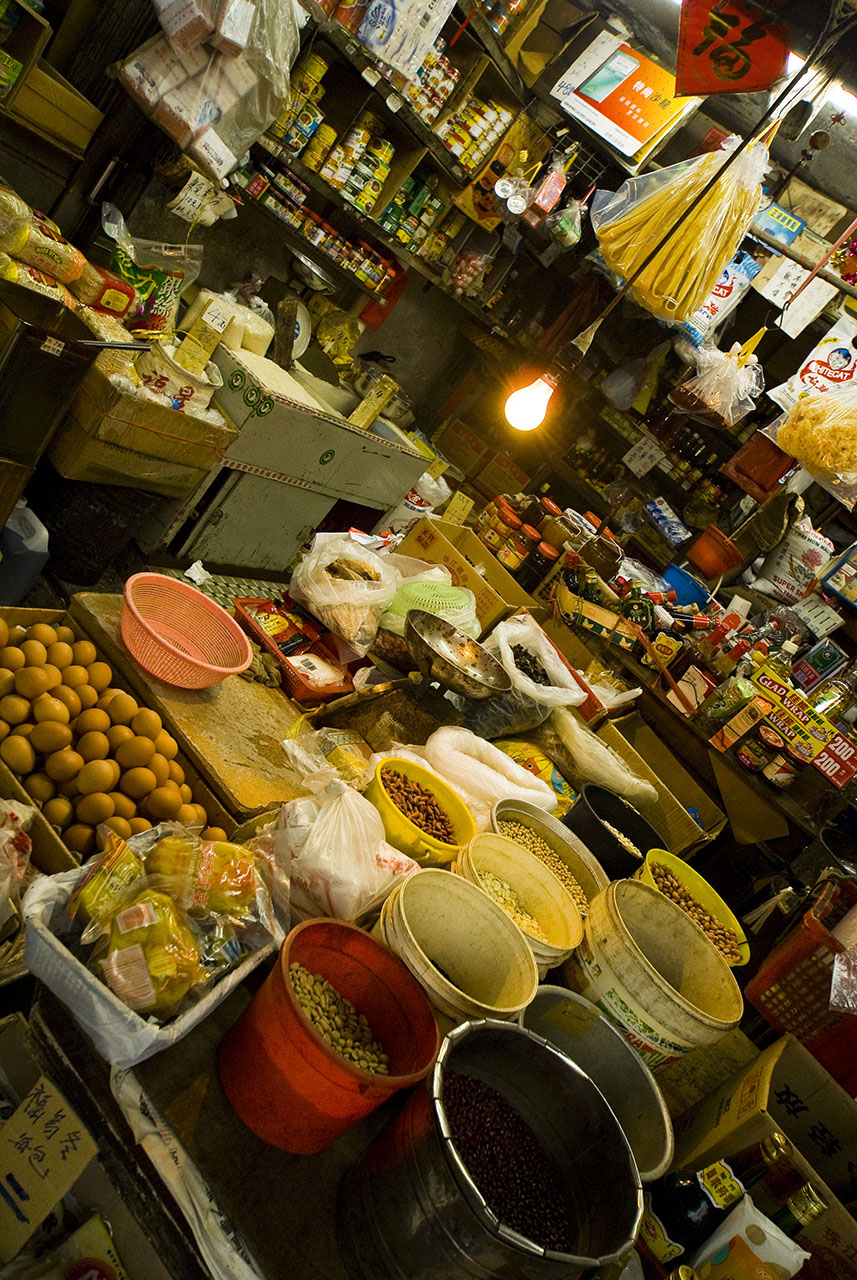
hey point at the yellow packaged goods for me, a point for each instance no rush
(214, 875)
(106, 882)
(46, 250)
(32, 278)
(537, 763)
(103, 290)
(14, 217)
(682, 274)
(821, 432)
(87, 1254)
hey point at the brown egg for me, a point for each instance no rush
(65, 635)
(165, 745)
(69, 698)
(84, 652)
(31, 682)
(117, 774)
(54, 676)
(40, 787)
(122, 709)
(93, 808)
(50, 736)
(74, 676)
(60, 654)
(4, 633)
(213, 833)
(35, 653)
(93, 746)
(64, 765)
(123, 806)
(96, 775)
(17, 633)
(79, 838)
(17, 753)
(50, 708)
(14, 709)
(4, 730)
(201, 815)
(186, 793)
(176, 773)
(163, 803)
(188, 816)
(139, 824)
(12, 658)
(42, 633)
(68, 788)
(23, 730)
(147, 723)
(100, 675)
(135, 753)
(137, 783)
(59, 811)
(120, 826)
(117, 734)
(160, 768)
(87, 696)
(7, 682)
(92, 721)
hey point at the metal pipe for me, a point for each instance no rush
(802, 260)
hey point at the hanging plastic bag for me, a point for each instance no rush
(346, 586)
(160, 273)
(341, 863)
(482, 775)
(724, 389)
(630, 222)
(821, 432)
(831, 365)
(540, 681)
(565, 224)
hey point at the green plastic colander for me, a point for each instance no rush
(455, 604)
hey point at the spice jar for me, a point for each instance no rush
(503, 524)
(513, 553)
(539, 563)
(603, 555)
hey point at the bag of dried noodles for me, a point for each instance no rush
(636, 217)
(821, 432)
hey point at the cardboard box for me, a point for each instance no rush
(25, 34)
(55, 109)
(786, 1089)
(77, 456)
(463, 446)
(644, 752)
(472, 566)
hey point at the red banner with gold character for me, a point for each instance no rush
(728, 46)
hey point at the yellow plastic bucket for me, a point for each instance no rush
(406, 835)
(699, 889)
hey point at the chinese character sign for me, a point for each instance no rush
(44, 1147)
(727, 46)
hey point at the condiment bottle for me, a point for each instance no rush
(683, 1209)
(835, 696)
(801, 1208)
(638, 608)
(780, 664)
(539, 563)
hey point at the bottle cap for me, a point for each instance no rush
(790, 647)
(806, 1204)
(776, 1146)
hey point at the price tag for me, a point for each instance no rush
(53, 346)
(371, 76)
(44, 1148)
(837, 761)
(458, 508)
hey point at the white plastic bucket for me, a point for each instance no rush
(653, 971)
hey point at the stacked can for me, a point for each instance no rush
(319, 147)
(303, 116)
(363, 185)
(437, 246)
(473, 131)
(348, 150)
(433, 83)
(411, 213)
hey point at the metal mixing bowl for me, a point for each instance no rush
(450, 658)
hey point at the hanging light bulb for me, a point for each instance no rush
(526, 408)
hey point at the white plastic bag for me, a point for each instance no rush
(758, 1236)
(481, 774)
(723, 390)
(794, 563)
(595, 761)
(428, 493)
(342, 865)
(528, 703)
(346, 586)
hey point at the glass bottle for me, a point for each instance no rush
(835, 696)
(683, 1209)
(780, 664)
(801, 1208)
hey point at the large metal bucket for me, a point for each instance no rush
(410, 1211)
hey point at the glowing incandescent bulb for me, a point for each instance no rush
(526, 408)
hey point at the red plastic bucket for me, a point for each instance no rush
(713, 553)
(284, 1080)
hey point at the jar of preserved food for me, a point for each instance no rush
(513, 553)
(541, 560)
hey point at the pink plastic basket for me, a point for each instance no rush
(179, 635)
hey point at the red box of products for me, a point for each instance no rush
(298, 644)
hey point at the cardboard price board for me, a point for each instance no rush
(727, 46)
(793, 717)
(837, 761)
(44, 1148)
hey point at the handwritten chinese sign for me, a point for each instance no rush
(727, 46)
(44, 1148)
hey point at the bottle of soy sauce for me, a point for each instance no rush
(683, 1209)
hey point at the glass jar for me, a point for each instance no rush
(539, 564)
(503, 525)
(513, 553)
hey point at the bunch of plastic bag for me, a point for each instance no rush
(217, 77)
(630, 222)
(724, 389)
(821, 432)
(524, 652)
(346, 585)
(339, 860)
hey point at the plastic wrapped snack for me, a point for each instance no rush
(159, 273)
(31, 278)
(14, 218)
(724, 389)
(103, 290)
(635, 218)
(821, 432)
(346, 586)
(215, 876)
(39, 246)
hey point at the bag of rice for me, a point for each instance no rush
(794, 563)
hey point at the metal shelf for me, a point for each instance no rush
(478, 25)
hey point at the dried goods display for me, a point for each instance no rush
(419, 804)
(337, 1021)
(721, 935)
(528, 839)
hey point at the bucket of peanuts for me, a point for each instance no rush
(422, 815)
(677, 880)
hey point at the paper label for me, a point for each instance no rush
(720, 1184)
(654, 1234)
(44, 1148)
(792, 715)
(643, 456)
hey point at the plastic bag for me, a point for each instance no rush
(732, 283)
(159, 273)
(523, 650)
(15, 849)
(346, 586)
(745, 1238)
(39, 245)
(592, 760)
(831, 364)
(821, 432)
(218, 76)
(428, 493)
(341, 863)
(796, 561)
(565, 224)
(635, 218)
(724, 389)
(481, 774)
